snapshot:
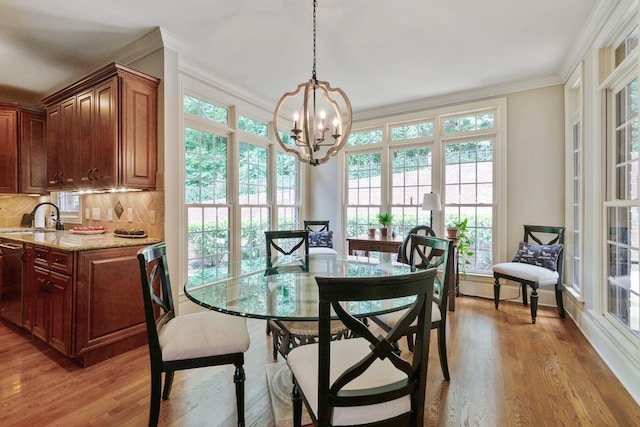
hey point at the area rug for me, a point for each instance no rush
(280, 383)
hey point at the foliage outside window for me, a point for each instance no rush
(70, 205)
(414, 131)
(469, 123)
(365, 137)
(252, 126)
(204, 109)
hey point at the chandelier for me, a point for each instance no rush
(321, 118)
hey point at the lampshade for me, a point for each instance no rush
(431, 202)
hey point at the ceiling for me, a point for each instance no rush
(379, 52)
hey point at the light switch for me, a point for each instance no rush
(130, 214)
(152, 217)
(95, 213)
(87, 213)
(110, 214)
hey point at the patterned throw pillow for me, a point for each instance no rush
(321, 239)
(541, 255)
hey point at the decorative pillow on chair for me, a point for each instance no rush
(541, 255)
(321, 239)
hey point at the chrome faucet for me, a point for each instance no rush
(59, 224)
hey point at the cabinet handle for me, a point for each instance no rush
(57, 178)
(57, 260)
(43, 285)
(89, 177)
(95, 172)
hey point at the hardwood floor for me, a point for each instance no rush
(504, 372)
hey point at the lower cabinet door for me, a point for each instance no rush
(59, 294)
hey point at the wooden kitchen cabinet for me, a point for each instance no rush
(48, 296)
(109, 305)
(85, 304)
(22, 149)
(106, 124)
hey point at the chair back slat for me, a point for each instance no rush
(434, 252)
(282, 245)
(404, 253)
(316, 225)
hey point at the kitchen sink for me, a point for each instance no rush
(28, 231)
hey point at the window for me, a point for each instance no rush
(410, 179)
(623, 217)
(207, 206)
(469, 194)
(287, 191)
(254, 207)
(70, 205)
(364, 191)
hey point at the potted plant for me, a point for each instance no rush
(385, 220)
(463, 243)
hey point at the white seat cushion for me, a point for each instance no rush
(320, 250)
(394, 317)
(207, 333)
(303, 362)
(533, 273)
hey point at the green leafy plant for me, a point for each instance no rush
(465, 254)
(385, 219)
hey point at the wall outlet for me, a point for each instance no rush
(152, 217)
(110, 214)
(130, 214)
(87, 213)
(96, 214)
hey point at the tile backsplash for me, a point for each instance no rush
(147, 210)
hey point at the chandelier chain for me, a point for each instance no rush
(315, 3)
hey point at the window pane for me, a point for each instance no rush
(208, 244)
(253, 126)
(205, 167)
(364, 192)
(363, 138)
(205, 110)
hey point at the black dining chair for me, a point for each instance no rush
(429, 252)
(320, 237)
(538, 262)
(362, 381)
(289, 250)
(404, 253)
(187, 341)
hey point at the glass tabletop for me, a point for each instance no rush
(292, 294)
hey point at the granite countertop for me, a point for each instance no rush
(69, 241)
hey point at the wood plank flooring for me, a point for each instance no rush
(504, 372)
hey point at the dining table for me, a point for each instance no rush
(291, 293)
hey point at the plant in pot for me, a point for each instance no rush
(464, 245)
(385, 220)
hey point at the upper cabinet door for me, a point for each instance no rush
(112, 126)
(33, 152)
(8, 151)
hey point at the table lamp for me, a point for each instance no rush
(431, 202)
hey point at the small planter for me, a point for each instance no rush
(372, 232)
(452, 233)
(383, 231)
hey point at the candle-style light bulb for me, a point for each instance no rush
(296, 116)
(335, 125)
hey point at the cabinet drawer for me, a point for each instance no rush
(41, 257)
(60, 261)
(52, 259)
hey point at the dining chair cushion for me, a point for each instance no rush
(533, 273)
(303, 362)
(392, 318)
(207, 333)
(321, 239)
(319, 250)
